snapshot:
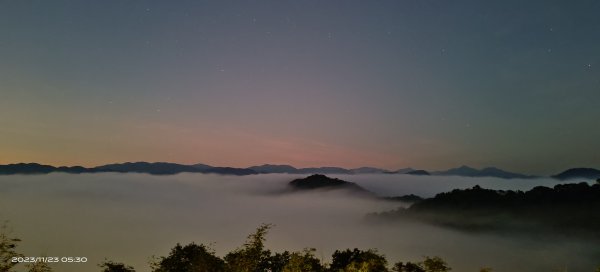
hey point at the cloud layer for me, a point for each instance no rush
(130, 217)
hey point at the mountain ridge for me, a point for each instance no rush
(466, 171)
(166, 168)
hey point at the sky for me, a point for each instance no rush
(392, 84)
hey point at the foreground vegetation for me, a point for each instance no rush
(252, 256)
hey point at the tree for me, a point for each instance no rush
(408, 267)
(38, 267)
(435, 264)
(304, 261)
(358, 260)
(252, 256)
(7, 249)
(110, 266)
(189, 258)
(485, 269)
(430, 264)
(278, 261)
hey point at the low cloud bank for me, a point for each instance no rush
(130, 217)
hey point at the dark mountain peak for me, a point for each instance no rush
(586, 173)
(318, 181)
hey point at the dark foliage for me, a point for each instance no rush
(405, 198)
(110, 266)
(358, 260)
(190, 258)
(252, 256)
(569, 209)
(429, 264)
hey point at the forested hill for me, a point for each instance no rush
(570, 209)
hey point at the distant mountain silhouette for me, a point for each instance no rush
(324, 170)
(74, 169)
(26, 168)
(418, 173)
(466, 171)
(274, 169)
(586, 173)
(36, 168)
(202, 166)
(400, 171)
(368, 170)
(166, 168)
(155, 168)
(322, 182)
(229, 171)
(288, 169)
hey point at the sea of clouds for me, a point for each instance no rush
(131, 217)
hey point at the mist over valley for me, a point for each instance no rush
(130, 217)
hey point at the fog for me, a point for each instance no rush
(131, 217)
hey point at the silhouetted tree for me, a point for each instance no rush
(38, 267)
(430, 264)
(7, 249)
(435, 264)
(110, 266)
(189, 258)
(278, 261)
(304, 261)
(252, 256)
(358, 260)
(408, 267)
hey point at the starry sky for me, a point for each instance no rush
(426, 84)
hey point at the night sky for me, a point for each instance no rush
(426, 84)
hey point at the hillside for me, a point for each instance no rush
(568, 209)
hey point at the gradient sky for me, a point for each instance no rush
(427, 84)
